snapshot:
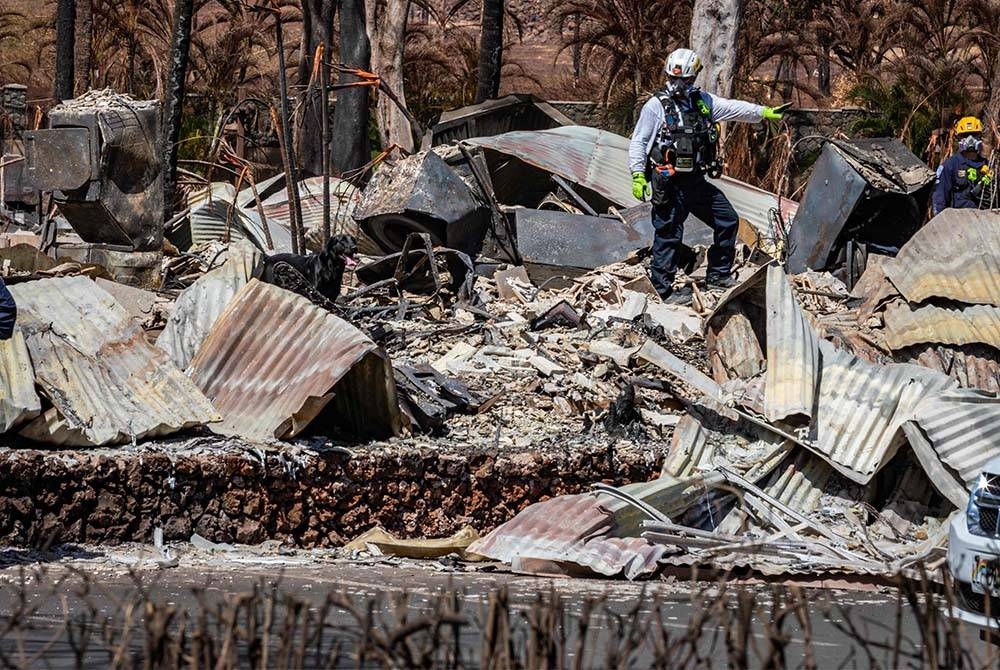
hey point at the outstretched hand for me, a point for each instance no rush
(775, 113)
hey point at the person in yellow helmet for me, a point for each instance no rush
(965, 179)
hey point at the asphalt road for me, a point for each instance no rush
(96, 592)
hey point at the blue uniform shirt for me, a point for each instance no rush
(954, 188)
(8, 312)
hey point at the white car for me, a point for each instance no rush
(974, 552)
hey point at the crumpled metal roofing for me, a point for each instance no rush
(906, 325)
(954, 256)
(598, 160)
(106, 383)
(858, 407)
(274, 361)
(344, 197)
(18, 400)
(793, 358)
(199, 305)
(862, 407)
(962, 425)
(971, 365)
(695, 447)
(213, 206)
(571, 529)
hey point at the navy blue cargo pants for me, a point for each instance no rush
(675, 198)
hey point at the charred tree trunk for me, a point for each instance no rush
(824, 71)
(490, 50)
(387, 33)
(350, 148)
(714, 30)
(317, 29)
(84, 42)
(179, 51)
(65, 29)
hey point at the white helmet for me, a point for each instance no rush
(682, 63)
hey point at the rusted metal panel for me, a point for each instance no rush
(971, 365)
(344, 197)
(509, 113)
(199, 306)
(273, 361)
(793, 358)
(953, 257)
(106, 383)
(213, 213)
(906, 325)
(18, 400)
(571, 529)
(598, 160)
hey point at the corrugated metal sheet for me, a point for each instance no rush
(107, 384)
(598, 160)
(571, 529)
(862, 407)
(694, 449)
(344, 197)
(212, 211)
(273, 361)
(792, 353)
(954, 256)
(199, 305)
(18, 400)
(963, 426)
(971, 324)
(972, 366)
(857, 408)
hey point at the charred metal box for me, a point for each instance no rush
(100, 158)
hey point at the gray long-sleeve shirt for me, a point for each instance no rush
(651, 118)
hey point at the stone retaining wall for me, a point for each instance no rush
(318, 499)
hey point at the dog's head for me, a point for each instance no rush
(343, 248)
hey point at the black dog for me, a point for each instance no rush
(322, 272)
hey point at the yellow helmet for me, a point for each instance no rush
(968, 125)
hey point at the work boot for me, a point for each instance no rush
(682, 295)
(721, 281)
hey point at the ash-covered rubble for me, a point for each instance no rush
(502, 307)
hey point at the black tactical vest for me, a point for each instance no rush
(687, 140)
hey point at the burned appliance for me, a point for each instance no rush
(864, 196)
(100, 158)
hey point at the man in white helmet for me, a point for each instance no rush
(673, 147)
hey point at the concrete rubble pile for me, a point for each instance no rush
(503, 302)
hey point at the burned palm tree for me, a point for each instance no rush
(65, 36)
(180, 47)
(624, 44)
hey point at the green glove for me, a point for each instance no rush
(775, 113)
(640, 187)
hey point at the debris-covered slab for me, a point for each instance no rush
(106, 383)
(274, 362)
